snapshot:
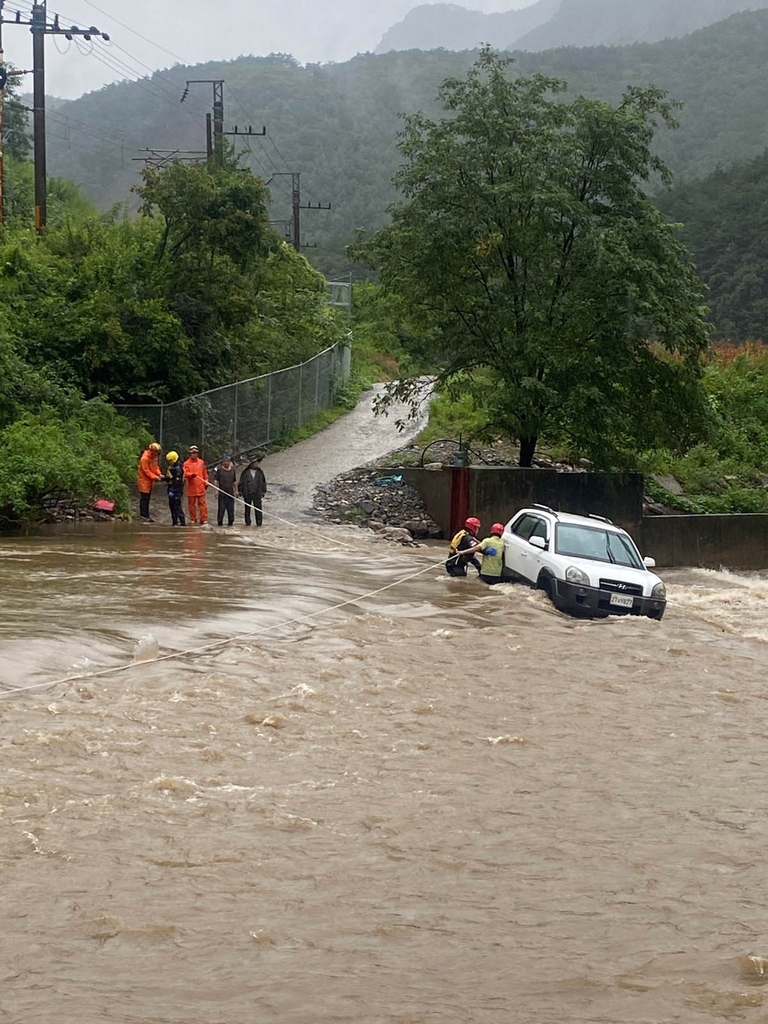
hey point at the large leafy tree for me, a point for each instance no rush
(560, 295)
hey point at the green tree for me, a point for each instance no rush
(525, 237)
(16, 138)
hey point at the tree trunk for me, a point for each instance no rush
(527, 451)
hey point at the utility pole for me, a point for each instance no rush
(296, 199)
(298, 206)
(214, 139)
(218, 123)
(39, 19)
(40, 28)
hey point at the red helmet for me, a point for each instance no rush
(497, 528)
(472, 524)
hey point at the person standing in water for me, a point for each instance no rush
(196, 476)
(225, 478)
(492, 550)
(253, 487)
(458, 552)
(175, 479)
(148, 474)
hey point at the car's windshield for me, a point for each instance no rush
(597, 544)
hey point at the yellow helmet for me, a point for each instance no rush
(172, 457)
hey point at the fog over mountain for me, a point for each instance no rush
(195, 31)
(549, 24)
(616, 22)
(433, 25)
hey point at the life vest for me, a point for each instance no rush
(454, 545)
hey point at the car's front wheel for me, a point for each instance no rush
(548, 585)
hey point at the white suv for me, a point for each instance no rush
(585, 564)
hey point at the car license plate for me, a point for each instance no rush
(622, 600)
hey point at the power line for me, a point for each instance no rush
(41, 27)
(128, 28)
(148, 85)
(117, 141)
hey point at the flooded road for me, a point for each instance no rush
(442, 804)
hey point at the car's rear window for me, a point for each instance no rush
(596, 544)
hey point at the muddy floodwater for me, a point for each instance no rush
(439, 804)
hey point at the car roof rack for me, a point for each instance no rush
(602, 519)
(544, 508)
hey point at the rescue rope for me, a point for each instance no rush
(216, 644)
(205, 648)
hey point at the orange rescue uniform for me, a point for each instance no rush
(196, 475)
(149, 471)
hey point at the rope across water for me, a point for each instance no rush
(216, 644)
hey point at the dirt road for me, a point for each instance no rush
(359, 437)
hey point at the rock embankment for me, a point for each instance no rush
(377, 498)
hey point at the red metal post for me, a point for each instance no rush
(459, 497)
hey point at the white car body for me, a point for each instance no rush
(585, 563)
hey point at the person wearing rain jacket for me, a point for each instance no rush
(148, 474)
(458, 552)
(196, 476)
(253, 487)
(174, 477)
(492, 550)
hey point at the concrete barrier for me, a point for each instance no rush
(496, 493)
(732, 541)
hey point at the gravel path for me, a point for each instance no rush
(357, 438)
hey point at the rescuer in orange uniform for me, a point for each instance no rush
(149, 471)
(196, 475)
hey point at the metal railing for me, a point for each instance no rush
(240, 417)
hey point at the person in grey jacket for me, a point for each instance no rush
(253, 487)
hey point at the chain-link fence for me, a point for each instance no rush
(238, 418)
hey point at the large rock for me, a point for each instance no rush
(669, 483)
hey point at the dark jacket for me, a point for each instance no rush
(252, 486)
(175, 479)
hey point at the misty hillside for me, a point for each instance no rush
(615, 22)
(726, 225)
(452, 27)
(337, 124)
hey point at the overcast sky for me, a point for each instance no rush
(199, 30)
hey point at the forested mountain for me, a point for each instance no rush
(726, 227)
(612, 22)
(337, 124)
(431, 26)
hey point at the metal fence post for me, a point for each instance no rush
(234, 426)
(160, 439)
(269, 410)
(317, 383)
(301, 374)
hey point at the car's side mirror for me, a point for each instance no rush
(538, 542)
(649, 563)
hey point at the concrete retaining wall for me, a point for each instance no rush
(496, 493)
(434, 487)
(735, 541)
(499, 493)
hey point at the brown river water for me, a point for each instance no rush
(438, 804)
